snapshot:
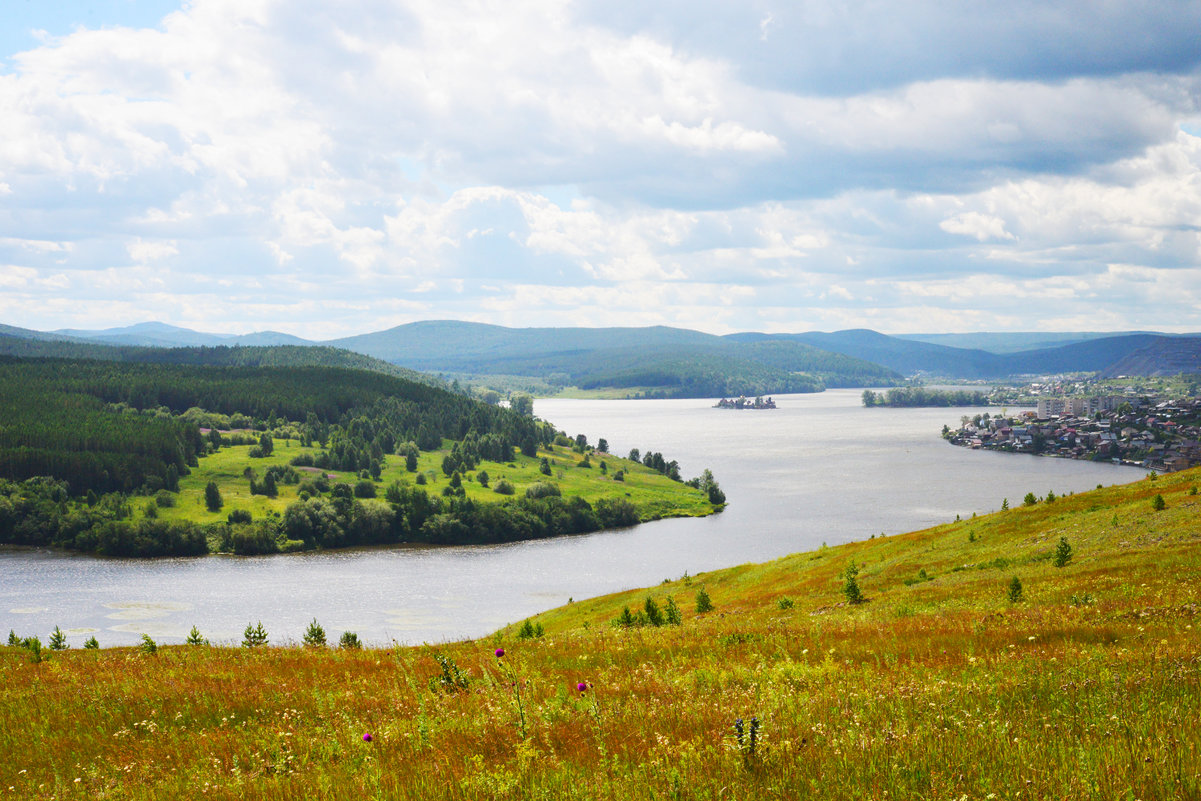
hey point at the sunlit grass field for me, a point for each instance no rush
(653, 495)
(940, 685)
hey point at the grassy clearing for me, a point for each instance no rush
(653, 495)
(936, 687)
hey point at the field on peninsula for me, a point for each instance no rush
(945, 682)
(653, 495)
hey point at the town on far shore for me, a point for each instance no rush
(1152, 430)
(742, 402)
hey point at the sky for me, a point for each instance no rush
(327, 169)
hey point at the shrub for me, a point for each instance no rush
(1157, 503)
(13, 639)
(164, 499)
(785, 603)
(544, 466)
(703, 602)
(451, 679)
(314, 635)
(542, 489)
(34, 646)
(240, 516)
(91, 643)
(482, 478)
(364, 489)
(1030, 499)
(420, 478)
(620, 475)
(504, 487)
(148, 645)
(350, 641)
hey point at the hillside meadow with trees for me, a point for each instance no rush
(134, 459)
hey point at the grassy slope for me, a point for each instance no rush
(1088, 688)
(654, 495)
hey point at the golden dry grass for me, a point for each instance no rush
(1089, 688)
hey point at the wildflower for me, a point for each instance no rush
(367, 737)
(500, 652)
(581, 687)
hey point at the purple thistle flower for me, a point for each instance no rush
(582, 687)
(500, 652)
(367, 737)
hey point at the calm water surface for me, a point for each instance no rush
(820, 468)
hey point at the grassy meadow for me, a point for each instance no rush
(945, 682)
(653, 495)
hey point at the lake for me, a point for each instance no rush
(820, 468)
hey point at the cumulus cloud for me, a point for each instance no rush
(726, 166)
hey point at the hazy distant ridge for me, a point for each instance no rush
(677, 358)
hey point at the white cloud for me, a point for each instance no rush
(972, 223)
(545, 160)
(143, 251)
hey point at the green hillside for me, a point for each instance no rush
(1050, 651)
(131, 459)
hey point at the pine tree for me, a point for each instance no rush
(672, 612)
(703, 602)
(195, 638)
(1015, 590)
(254, 636)
(1063, 552)
(851, 588)
(314, 635)
(58, 640)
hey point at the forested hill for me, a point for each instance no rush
(71, 419)
(53, 346)
(909, 356)
(656, 360)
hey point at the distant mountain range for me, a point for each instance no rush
(662, 360)
(161, 335)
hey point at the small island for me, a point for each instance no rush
(742, 402)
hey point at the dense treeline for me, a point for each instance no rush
(920, 396)
(409, 514)
(38, 512)
(70, 419)
(218, 356)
